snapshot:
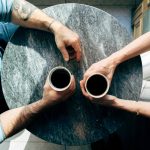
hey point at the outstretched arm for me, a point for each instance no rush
(135, 48)
(108, 65)
(137, 107)
(25, 14)
(12, 121)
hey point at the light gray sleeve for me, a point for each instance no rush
(2, 134)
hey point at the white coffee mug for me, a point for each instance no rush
(97, 85)
(59, 78)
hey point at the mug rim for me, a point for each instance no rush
(103, 94)
(50, 74)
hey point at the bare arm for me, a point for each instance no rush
(140, 108)
(135, 48)
(27, 15)
(17, 119)
(137, 107)
(108, 65)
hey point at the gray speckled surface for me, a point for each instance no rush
(31, 54)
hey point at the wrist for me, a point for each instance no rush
(117, 57)
(137, 108)
(128, 105)
(47, 102)
(54, 26)
(112, 62)
(115, 102)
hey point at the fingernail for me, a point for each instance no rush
(66, 59)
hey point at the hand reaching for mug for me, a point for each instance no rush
(65, 38)
(107, 100)
(52, 97)
(106, 67)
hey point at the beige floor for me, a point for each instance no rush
(27, 141)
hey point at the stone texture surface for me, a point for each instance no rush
(31, 54)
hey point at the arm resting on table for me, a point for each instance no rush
(135, 48)
(25, 14)
(140, 108)
(13, 121)
(28, 15)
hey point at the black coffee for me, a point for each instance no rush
(96, 85)
(60, 78)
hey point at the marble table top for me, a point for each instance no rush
(31, 54)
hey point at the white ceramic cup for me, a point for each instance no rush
(59, 78)
(97, 85)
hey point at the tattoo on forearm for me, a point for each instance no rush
(23, 9)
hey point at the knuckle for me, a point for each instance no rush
(77, 37)
(85, 76)
(71, 89)
(45, 87)
(74, 40)
(60, 46)
(93, 65)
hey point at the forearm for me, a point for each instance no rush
(17, 119)
(137, 107)
(27, 15)
(135, 48)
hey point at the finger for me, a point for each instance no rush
(73, 83)
(107, 100)
(83, 90)
(77, 48)
(87, 74)
(72, 87)
(46, 85)
(108, 97)
(110, 76)
(64, 52)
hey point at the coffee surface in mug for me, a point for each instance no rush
(60, 78)
(96, 85)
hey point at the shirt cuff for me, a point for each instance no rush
(2, 134)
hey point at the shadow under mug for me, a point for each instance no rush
(97, 85)
(59, 78)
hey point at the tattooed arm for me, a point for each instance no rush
(14, 120)
(27, 15)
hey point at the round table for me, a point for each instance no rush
(31, 54)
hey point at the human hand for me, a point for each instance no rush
(52, 97)
(107, 100)
(67, 41)
(106, 67)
